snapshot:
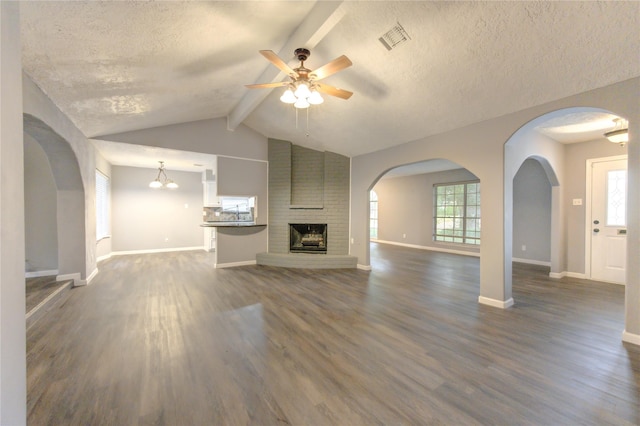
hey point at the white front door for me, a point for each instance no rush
(609, 221)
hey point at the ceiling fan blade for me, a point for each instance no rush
(266, 85)
(275, 60)
(334, 91)
(331, 68)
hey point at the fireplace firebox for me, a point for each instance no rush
(308, 237)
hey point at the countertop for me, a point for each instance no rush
(229, 224)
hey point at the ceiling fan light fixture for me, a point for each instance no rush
(288, 97)
(302, 91)
(315, 98)
(171, 185)
(302, 103)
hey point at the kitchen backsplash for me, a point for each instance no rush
(216, 214)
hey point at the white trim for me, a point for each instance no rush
(92, 276)
(587, 208)
(77, 280)
(568, 274)
(232, 264)
(631, 338)
(105, 257)
(37, 274)
(531, 261)
(443, 250)
(363, 267)
(125, 252)
(45, 301)
(496, 303)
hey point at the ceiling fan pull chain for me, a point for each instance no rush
(307, 134)
(296, 118)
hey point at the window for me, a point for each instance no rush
(457, 213)
(616, 198)
(373, 214)
(102, 206)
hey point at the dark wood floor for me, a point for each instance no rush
(166, 339)
(38, 289)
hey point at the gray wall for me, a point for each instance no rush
(575, 187)
(206, 136)
(103, 247)
(482, 148)
(13, 369)
(153, 219)
(245, 178)
(40, 209)
(334, 210)
(405, 206)
(532, 213)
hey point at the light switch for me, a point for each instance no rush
(577, 201)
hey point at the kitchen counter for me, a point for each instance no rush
(229, 224)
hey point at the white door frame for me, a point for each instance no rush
(587, 210)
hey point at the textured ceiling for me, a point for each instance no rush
(119, 66)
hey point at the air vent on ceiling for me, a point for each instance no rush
(394, 37)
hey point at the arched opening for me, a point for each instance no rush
(69, 198)
(532, 212)
(431, 205)
(557, 143)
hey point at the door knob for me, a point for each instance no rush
(595, 222)
(596, 230)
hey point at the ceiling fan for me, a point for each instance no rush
(303, 89)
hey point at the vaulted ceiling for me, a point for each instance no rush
(120, 66)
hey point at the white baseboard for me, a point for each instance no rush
(232, 264)
(631, 338)
(164, 250)
(37, 274)
(531, 261)
(77, 280)
(92, 276)
(567, 274)
(440, 249)
(502, 304)
(105, 257)
(363, 267)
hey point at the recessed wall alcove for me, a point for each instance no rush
(312, 187)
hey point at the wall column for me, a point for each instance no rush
(13, 383)
(632, 290)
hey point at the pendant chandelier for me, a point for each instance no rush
(620, 132)
(162, 181)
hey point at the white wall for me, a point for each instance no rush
(155, 219)
(40, 204)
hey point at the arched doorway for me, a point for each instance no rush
(70, 197)
(558, 149)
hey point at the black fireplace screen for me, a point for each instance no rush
(308, 237)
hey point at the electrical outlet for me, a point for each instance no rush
(353, 241)
(524, 248)
(404, 235)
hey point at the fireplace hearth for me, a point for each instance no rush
(308, 237)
